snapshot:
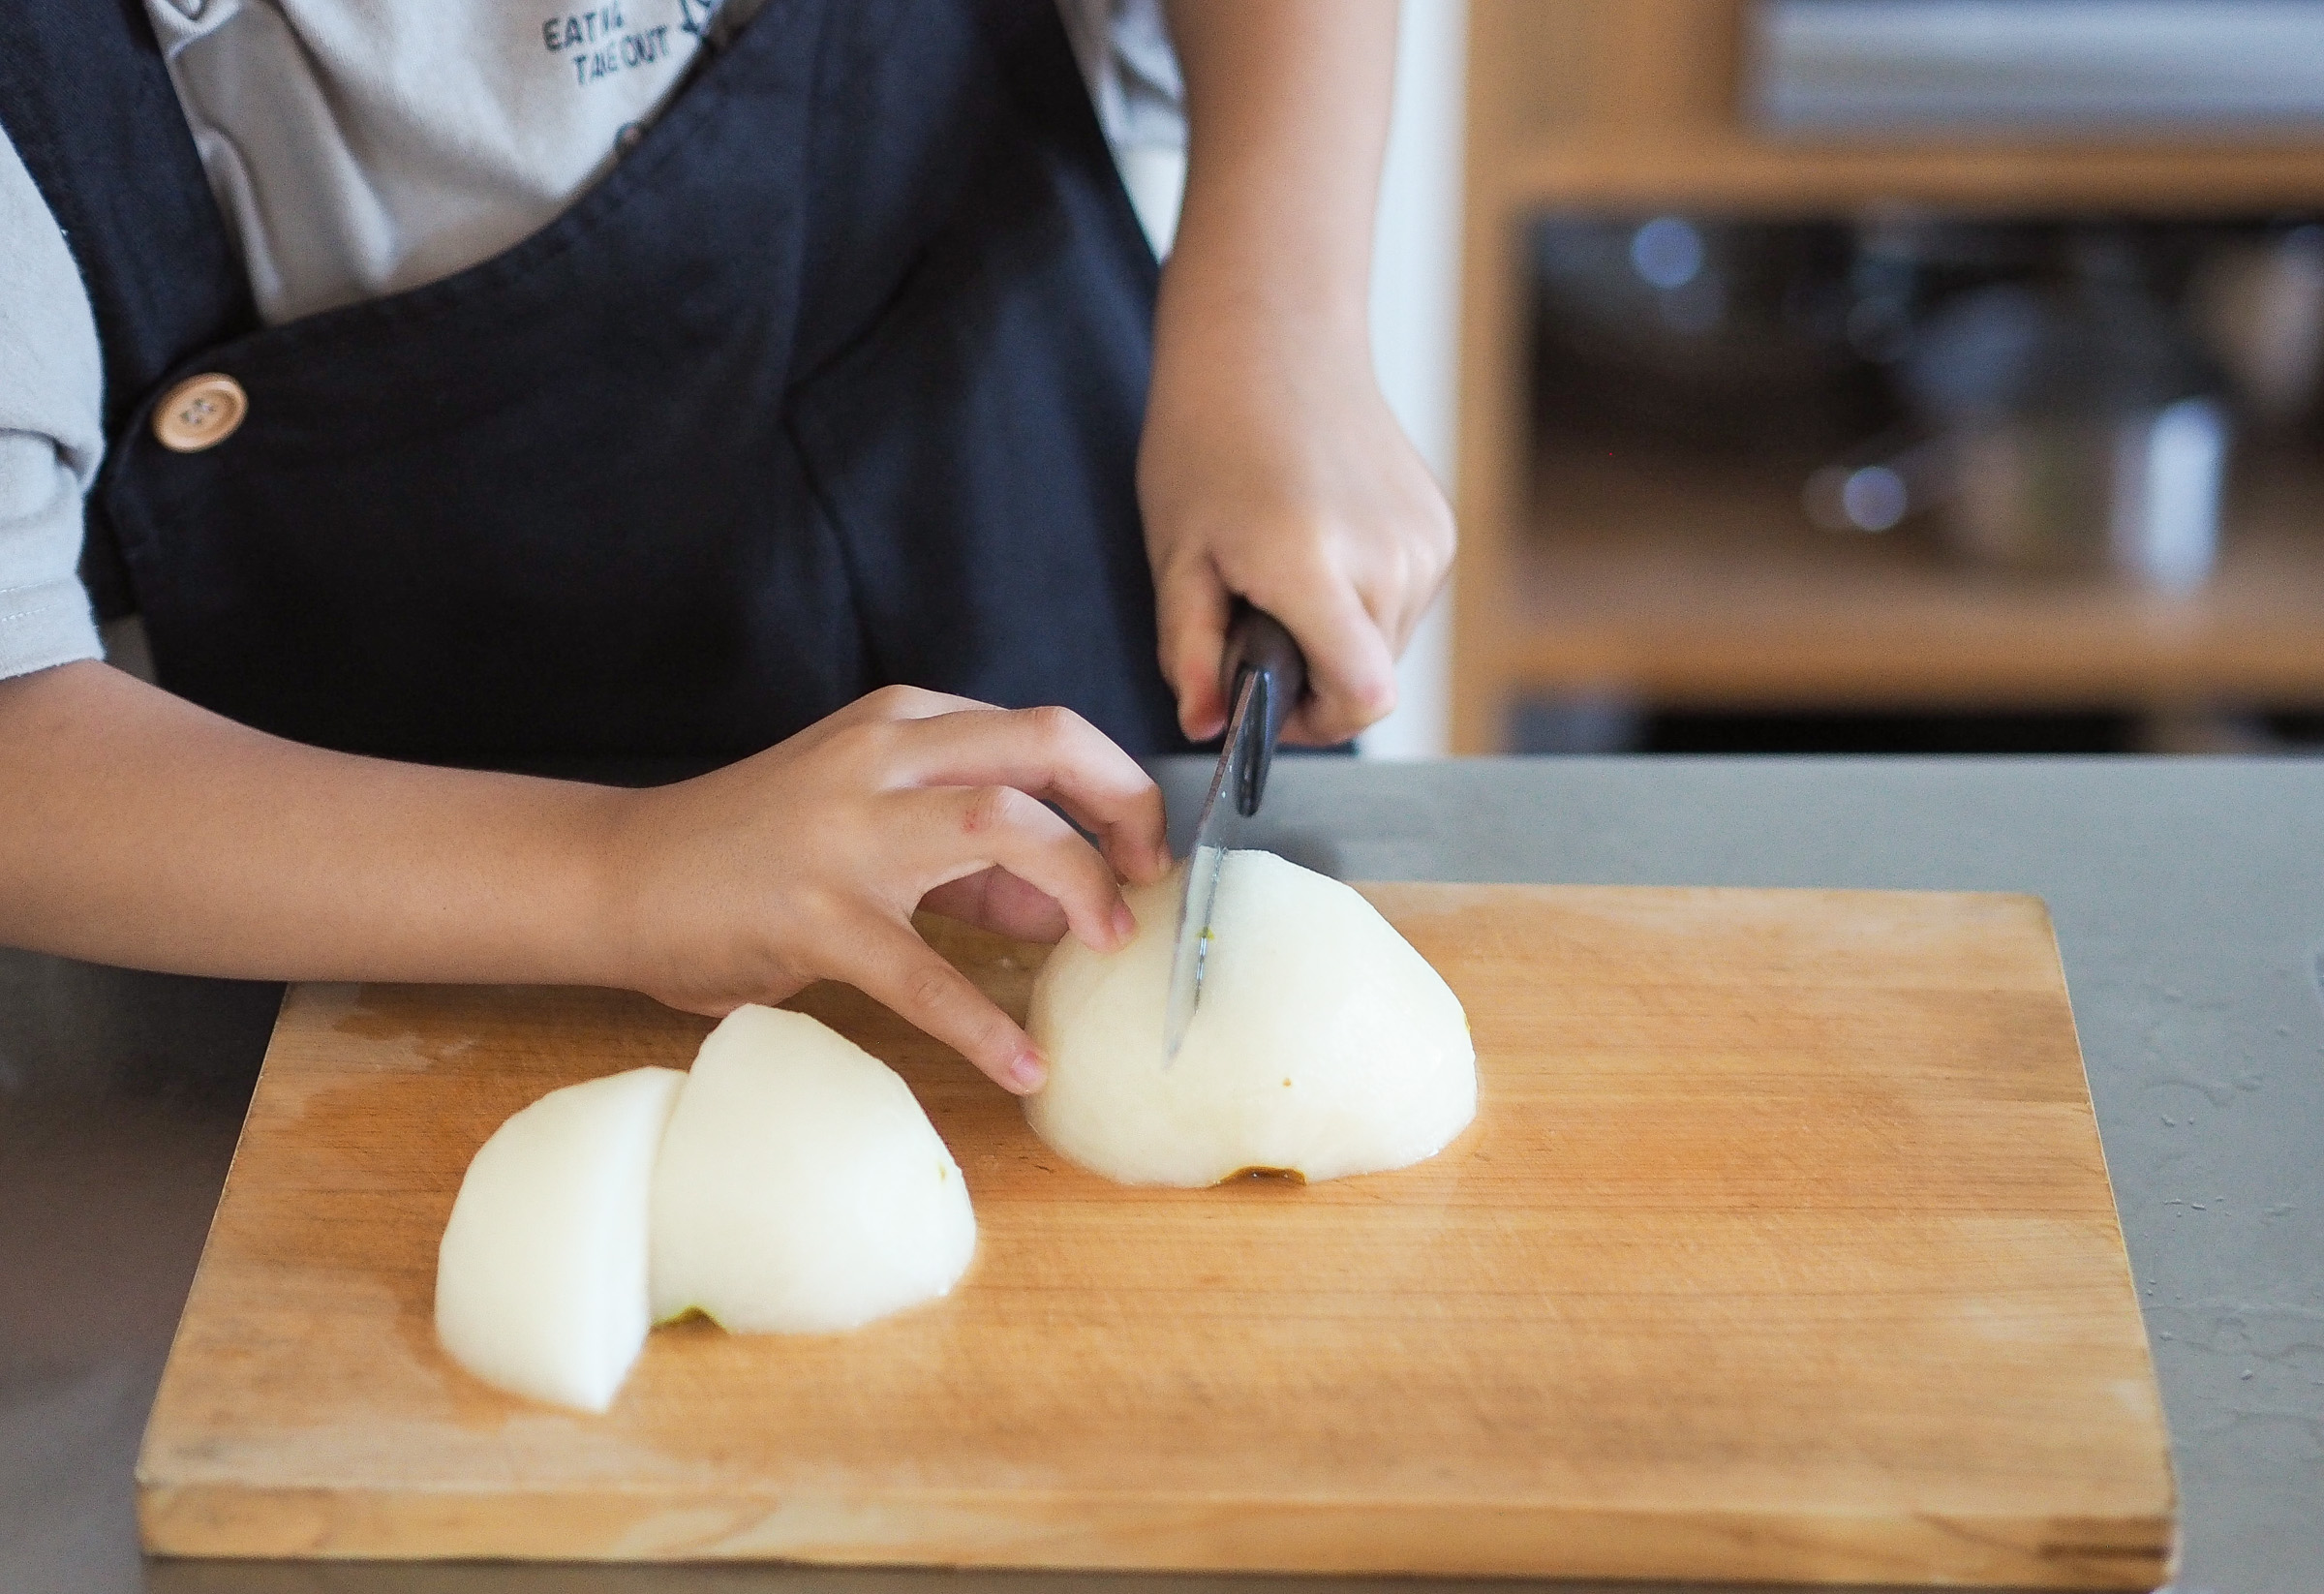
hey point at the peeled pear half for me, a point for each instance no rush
(541, 1281)
(801, 1188)
(788, 1183)
(1324, 1045)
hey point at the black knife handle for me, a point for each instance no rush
(1257, 643)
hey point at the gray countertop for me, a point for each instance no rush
(2189, 903)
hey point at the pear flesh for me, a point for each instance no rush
(541, 1281)
(788, 1183)
(1323, 1044)
(801, 1188)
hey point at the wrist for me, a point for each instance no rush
(605, 941)
(1227, 301)
(1232, 354)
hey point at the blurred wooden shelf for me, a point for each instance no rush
(1714, 593)
(1734, 176)
(1705, 586)
(1637, 103)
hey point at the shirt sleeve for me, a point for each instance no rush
(1126, 56)
(52, 432)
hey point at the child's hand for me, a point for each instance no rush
(807, 861)
(1271, 466)
(1273, 469)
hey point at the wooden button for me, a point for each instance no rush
(199, 412)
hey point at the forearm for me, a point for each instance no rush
(137, 829)
(142, 830)
(1286, 110)
(1271, 467)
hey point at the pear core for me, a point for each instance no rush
(1324, 1045)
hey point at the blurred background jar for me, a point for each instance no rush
(2073, 427)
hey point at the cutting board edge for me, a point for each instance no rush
(175, 1363)
(1584, 889)
(1396, 1538)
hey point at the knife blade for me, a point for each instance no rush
(1263, 675)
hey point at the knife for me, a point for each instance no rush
(1263, 675)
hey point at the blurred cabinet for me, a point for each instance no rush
(1701, 591)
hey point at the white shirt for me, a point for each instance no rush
(362, 148)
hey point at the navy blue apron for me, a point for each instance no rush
(833, 380)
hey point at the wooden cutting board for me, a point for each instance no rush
(1781, 1248)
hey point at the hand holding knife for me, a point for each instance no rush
(1263, 675)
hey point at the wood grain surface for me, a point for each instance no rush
(1781, 1249)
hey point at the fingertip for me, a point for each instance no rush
(1109, 932)
(1141, 865)
(1025, 1074)
(1200, 721)
(1370, 688)
(1131, 860)
(1379, 697)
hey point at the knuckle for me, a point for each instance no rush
(930, 985)
(1059, 735)
(899, 701)
(818, 905)
(990, 809)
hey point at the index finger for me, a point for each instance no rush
(889, 963)
(1055, 754)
